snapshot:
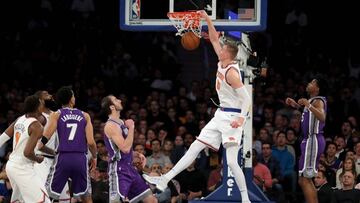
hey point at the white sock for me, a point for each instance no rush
(232, 161)
(194, 149)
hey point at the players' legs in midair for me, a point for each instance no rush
(232, 151)
(195, 148)
(209, 136)
(308, 163)
(161, 182)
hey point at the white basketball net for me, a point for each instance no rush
(186, 21)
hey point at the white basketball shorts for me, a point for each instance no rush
(219, 130)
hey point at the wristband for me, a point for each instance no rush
(44, 140)
(4, 138)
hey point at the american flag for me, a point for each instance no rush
(246, 14)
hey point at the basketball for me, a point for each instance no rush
(190, 41)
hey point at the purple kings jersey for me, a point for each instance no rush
(309, 123)
(115, 154)
(71, 131)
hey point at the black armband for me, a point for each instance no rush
(44, 140)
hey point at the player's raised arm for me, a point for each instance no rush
(213, 35)
(7, 134)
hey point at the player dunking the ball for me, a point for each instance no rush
(313, 143)
(126, 184)
(227, 125)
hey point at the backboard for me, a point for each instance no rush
(227, 15)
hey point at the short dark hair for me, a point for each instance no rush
(323, 173)
(31, 104)
(322, 84)
(347, 121)
(331, 143)
(105, 105)
(280, 132)
(64, 95)
(155, 140)
(266, 142)
(340, 136)
(290, 129)
(232, 48)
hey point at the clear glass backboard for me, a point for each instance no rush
(227, 15)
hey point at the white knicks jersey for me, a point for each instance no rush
(21, 136)
(227, 95)
(52, 143)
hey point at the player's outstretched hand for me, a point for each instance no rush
(130, 123)
(202, 13)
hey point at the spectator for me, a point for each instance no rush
(261, 173)
(264, 135)
(330, 159)
(280, 152)
(193, 183)
(329, 173)
(348, 165)
(140, 149)
(168, 147)
(102, 152)
(324, 190)
(155, 168)
(215, 178)
(273, 165)
(157, 156)
(347, 193)
(179, 149)
(150, 136)
(340, 144)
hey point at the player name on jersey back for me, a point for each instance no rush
(67, 117)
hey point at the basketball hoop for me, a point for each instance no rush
(186, 21)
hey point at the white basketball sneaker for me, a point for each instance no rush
(159, 181)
